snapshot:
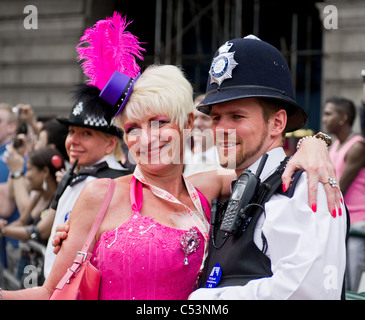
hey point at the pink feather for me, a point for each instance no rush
(107, 47)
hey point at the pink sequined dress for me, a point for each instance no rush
(143, 259)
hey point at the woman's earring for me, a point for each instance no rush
(44, 184)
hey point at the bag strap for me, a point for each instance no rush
(100, 216)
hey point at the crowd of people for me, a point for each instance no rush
(173, 229)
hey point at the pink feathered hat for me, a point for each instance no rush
(109, 55)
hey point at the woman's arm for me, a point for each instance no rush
(17, 230)
(14, 231)
(18, 188)
(215, 184)
(354, 162)
(81, 219)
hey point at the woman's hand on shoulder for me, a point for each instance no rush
(313, 157)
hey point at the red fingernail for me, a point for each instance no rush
(340, 212)
(341, 200)
(314, 207)
(334, 213)
(284, 187)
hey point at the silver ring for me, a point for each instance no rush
(332, 182)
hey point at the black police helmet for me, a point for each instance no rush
(90, 111)
(248, 68)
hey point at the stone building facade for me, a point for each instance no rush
(39, 66)
(343, 55)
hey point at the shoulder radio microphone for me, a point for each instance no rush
(243, 192)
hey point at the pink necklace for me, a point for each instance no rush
(190, 240)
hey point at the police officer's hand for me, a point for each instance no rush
(60, 235)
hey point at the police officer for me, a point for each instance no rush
(266, 243)
(92, 141)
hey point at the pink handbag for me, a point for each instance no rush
(82, 279)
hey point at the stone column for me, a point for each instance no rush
(39, 66)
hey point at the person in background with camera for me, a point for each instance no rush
(28, 128)
(53, 134)
(8, 210)
(348, 156)
(40, 180)
(266, 244)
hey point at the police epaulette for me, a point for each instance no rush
(88, 171)
(93, 170)
(78, 179)
(100, 170)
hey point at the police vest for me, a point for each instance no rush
(240, 260)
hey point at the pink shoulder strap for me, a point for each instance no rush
(136, 194)
(205, 204)
(100, 216)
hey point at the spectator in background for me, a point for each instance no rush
(53, 134)
(42, 165)
(348, 156)
(27, 125)
(362, 108)
(200, 154)
(8, 210)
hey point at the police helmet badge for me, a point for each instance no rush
(223, 65)
(79, 108)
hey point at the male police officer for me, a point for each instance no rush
(274, 248)
(93, 142)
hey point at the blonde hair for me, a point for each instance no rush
(161, 89)
(12, 118)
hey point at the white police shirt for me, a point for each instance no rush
(306, 249)
(65, 205)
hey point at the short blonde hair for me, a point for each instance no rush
(164, 90)
(12, 118)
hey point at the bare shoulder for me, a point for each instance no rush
(90, 198)
(124, 181)
(95, 190)
(213, 184)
